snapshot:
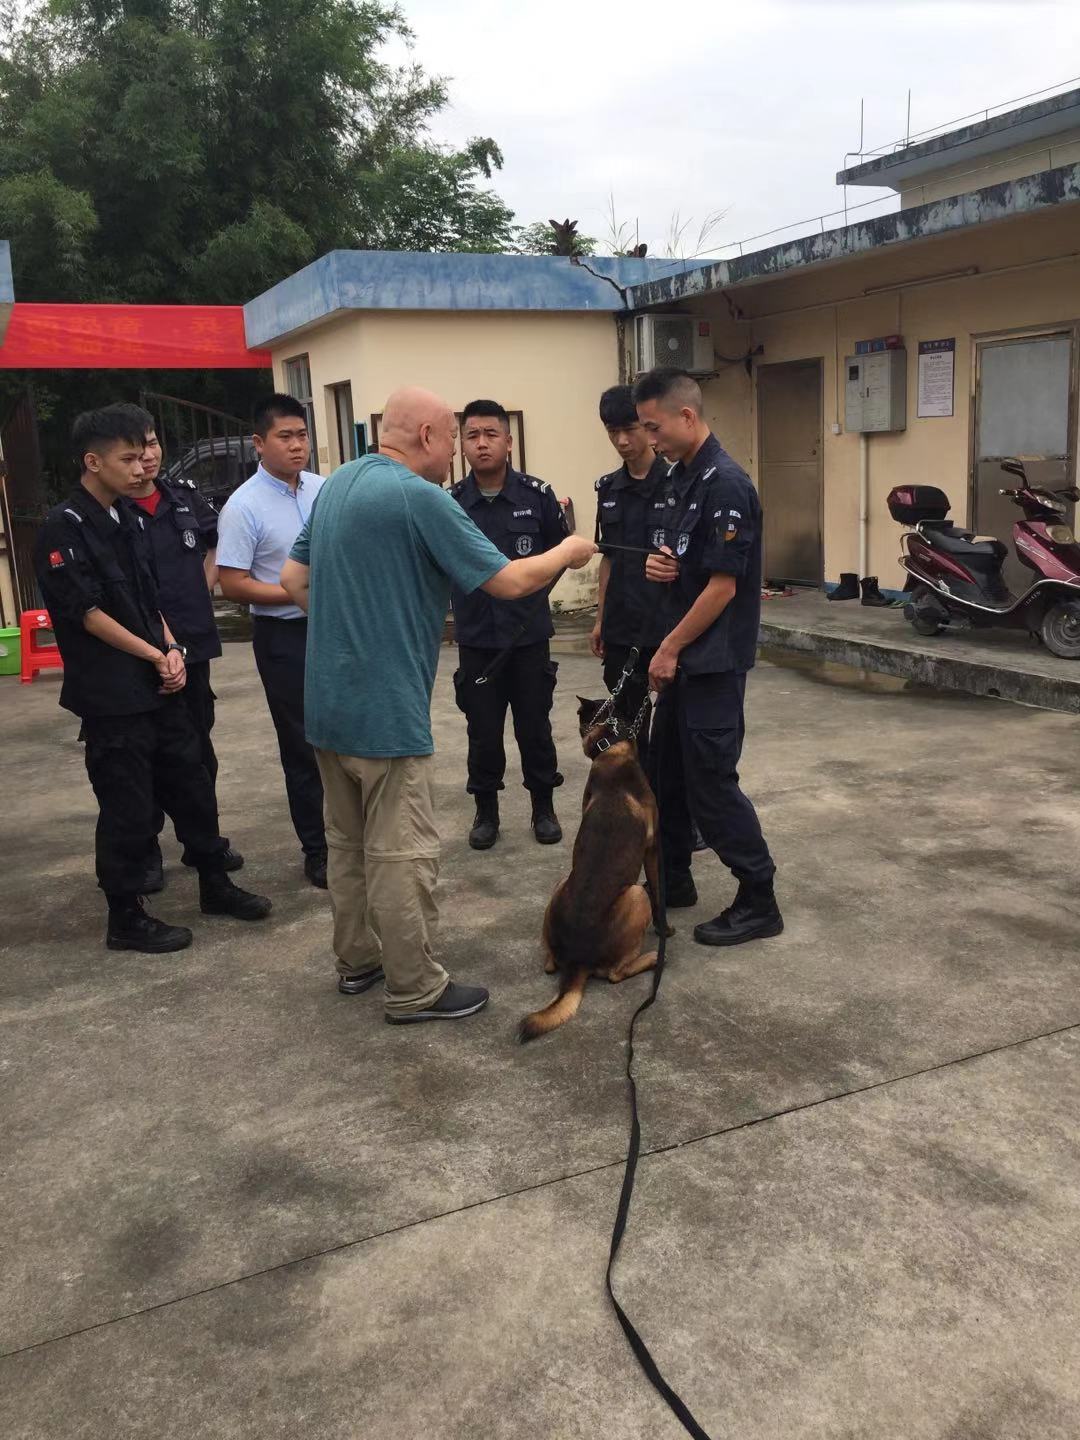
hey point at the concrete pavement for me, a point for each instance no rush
(237, 1204)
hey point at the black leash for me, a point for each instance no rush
(496, 663)
(673, 1400)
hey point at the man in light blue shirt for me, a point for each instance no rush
(373, 568)
(256, 530)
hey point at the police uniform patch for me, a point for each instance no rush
(56, 560)
(671, 499)
(682, 544)
(659, 537)
(189, 539)
(524, 545)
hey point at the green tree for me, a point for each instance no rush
(181, 151)
(539, 239)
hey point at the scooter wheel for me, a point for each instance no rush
(922, 622)
(1060, 629)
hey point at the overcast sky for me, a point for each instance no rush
(740, 105)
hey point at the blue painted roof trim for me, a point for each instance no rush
(401, 280)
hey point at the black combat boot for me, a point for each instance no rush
(130, 928)
(848, 589)
(680, 892)
(219, 896)
(752, 915)
(871, 595)
(485, 830)
(230, 858)
(545, 825)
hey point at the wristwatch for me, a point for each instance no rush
(175, 646)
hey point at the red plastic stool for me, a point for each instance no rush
(37, 657)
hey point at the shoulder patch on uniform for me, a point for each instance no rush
(56, 559)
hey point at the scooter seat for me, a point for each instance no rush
(963, 544)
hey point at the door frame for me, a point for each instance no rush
(1046, 331)
(759, 428)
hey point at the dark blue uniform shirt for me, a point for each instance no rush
(524, 518)
(633, 614)
(85, 560)
(182, 529)
(708, 513)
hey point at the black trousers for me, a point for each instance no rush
(633, 692)
(698, 739)
(136, 764)
(198, 699)
(526, 682)
(280, 647)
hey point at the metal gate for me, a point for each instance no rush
(24, 503)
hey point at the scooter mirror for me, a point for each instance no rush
(1014, 467)
(1069, 493)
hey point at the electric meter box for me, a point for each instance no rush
(875, 394)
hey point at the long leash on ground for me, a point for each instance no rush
(642, 1353)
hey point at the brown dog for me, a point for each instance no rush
(598, 915)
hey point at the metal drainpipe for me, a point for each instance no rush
(864, 501)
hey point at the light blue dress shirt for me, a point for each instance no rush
(258, 527)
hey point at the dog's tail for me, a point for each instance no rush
(562, 1009)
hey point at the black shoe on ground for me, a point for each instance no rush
(848, 589)
(680, 892)
(315, 870)
(871, 594)
(454, 1003)
(219, 896)
(130, 928)
(545, 824)
(485, 830)
(752, 915)
(231, 859)
(357, 984)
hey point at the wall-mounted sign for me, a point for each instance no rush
(937, 365)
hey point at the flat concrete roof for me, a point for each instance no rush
(985, 137)
(1026, 196)
(399, 280)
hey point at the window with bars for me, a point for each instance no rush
(298, 384)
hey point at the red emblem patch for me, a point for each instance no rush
(56, 559)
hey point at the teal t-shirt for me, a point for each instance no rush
(384, 547)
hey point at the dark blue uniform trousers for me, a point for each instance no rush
(697, 741)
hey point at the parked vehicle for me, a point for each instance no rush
(956, 579)
(214, 467)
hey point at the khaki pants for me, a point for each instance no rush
(382, 865)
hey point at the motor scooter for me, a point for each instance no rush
(956, 579)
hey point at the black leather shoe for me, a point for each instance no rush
(231, 859)
(219, 896)
(454, 1003)
(753, 915)
(315, 870)
(485, 830)
(545, 824)
(357, 984)
(680, 892)
(130, 928)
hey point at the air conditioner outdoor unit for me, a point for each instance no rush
(682, 341)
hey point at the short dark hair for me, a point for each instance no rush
(138, 416)
(107, 426)
(617, 407)
(482, 408)
(667, 383)
(275, 407)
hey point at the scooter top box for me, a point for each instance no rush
(910, 504)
